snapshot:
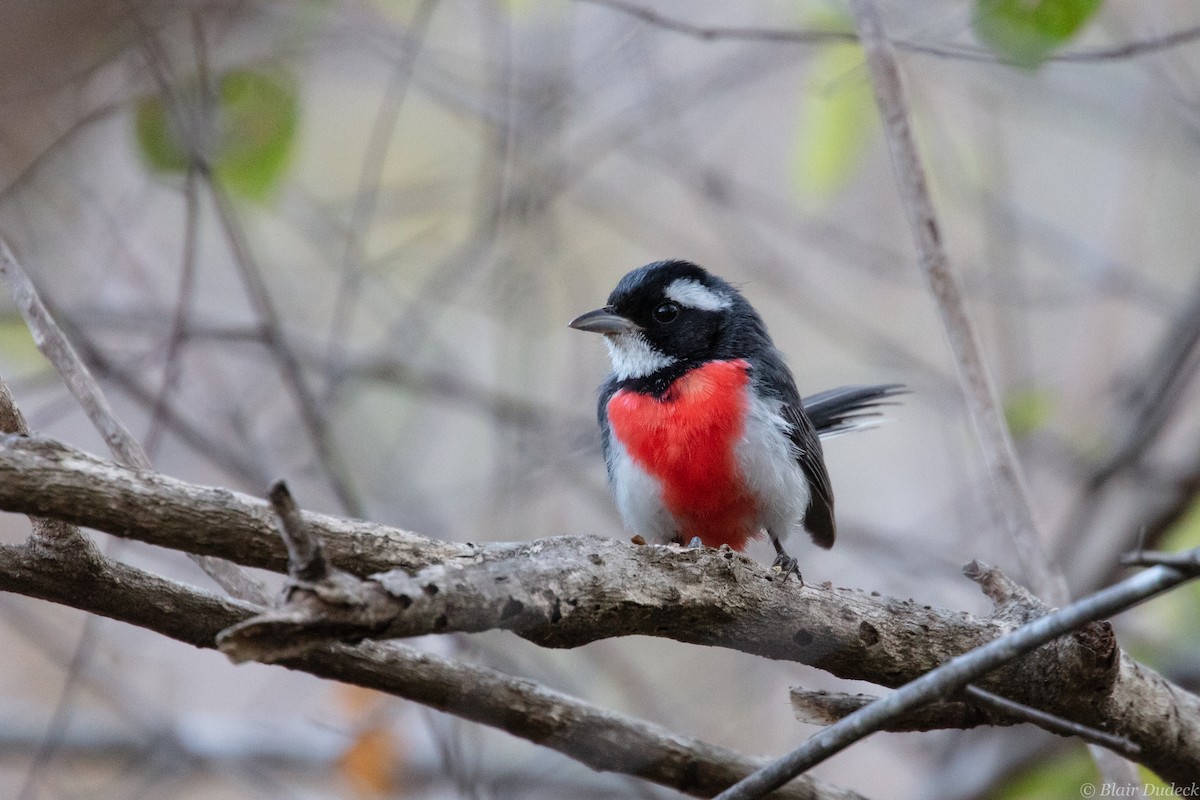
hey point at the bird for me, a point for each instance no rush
(705, 436)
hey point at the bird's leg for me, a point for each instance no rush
(695, 543)
(785, 563)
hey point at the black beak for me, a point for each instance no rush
(603, 321)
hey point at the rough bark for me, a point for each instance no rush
(566, 591)
(603, 740)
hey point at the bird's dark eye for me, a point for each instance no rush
(665, 313)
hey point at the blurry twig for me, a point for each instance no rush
(274, 339)
(172, 366)
(1008, 483)
(963, 52)
(370, 175)
(276, 342)
(53, 343)
(202, 442)
(1155, 392)
(60, 719)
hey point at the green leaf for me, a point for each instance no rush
(18, 352)
(1054, 779)
(1180, 605)
(258, 126)
(157, 140)
(1027, 412)
(1027, 31)
(837, 121)
(256, 119)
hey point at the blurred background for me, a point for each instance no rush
(366, 292)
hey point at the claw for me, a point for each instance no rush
(788, 566)
(785, 563)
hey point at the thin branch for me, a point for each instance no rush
(1051, 722)
(1159, 385)
(53, 344)
(60, 719)
(824, 708)
(720, 32)
(956, 673)
(598, 738)
(203, 442)
(311, 413)
(370, 175)
(985, 708)
(172, 363)
(963, 52)
(1189, 560)
(1008, 482)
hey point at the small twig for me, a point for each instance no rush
(1051, 722)
(983, 708)
(953, 675)
(306, 556)
(824, 708)
(311, 413)
(321, 603)
(979, 391)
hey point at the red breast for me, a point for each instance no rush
(687, 439)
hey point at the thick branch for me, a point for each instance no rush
(42, 475)
(601, 739)
(566, 591)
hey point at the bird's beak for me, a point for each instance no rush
(603, 321)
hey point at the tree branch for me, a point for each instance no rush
(565, 591)
(1117, 52)
(53, 344)
(601, 739)
(956, 673)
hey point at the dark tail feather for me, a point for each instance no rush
(848, 407)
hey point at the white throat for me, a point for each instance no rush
(634, 357)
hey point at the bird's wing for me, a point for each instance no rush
(818, 517)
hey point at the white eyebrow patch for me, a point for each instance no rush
(694, 294)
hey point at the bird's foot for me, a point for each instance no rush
(695, 543)
(785, 565)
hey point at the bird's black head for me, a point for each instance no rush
(670, 315)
